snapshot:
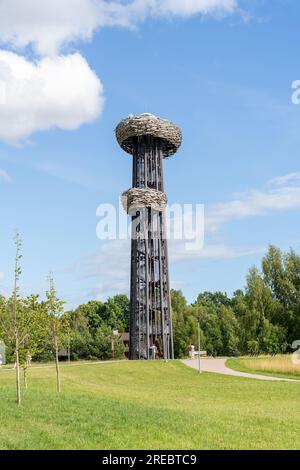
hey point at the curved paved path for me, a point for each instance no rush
(218, 366)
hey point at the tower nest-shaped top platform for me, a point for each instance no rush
(148, 124)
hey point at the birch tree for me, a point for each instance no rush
(16, 311)
(57, 326)
(17, 323)
(35, 337)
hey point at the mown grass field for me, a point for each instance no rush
(279, 366)
(148, 405)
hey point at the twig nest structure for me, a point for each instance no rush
(137, 198)
(148, 124)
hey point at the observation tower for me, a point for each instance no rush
(149, 139)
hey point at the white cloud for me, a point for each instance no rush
(111, 263)
(58, 92)
(50, 24)
(111, 260)
(7, 178)
(104, 290)
(282, 193)
(192, 7)
(46, 24)
(178, 251)
(62, 91)
(291, 178)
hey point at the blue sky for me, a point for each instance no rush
(223, 71)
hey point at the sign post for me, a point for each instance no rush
(199, 347)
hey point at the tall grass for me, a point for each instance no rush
(281, 364)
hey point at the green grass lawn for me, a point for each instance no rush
(276, 366)
(148, 405)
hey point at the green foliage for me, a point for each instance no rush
(263, 319)
(103, 344)
(88, 329)
(92, 328)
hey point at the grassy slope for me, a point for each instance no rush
(148, 405)
(277, 366)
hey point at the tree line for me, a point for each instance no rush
(262, 318)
